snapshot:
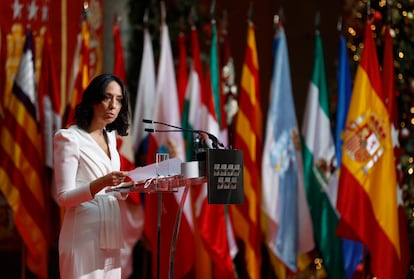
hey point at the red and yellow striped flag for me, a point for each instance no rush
(22, 176)
(367, 199)
(246, 217)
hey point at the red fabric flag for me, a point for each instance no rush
(119, 62)
(22, 177)
(390, 94)
(81, 74)
(367, 200)
(1, 99)
(213, 230)
(249, 135)
(49, 99)
(211, 219)
(124, 143)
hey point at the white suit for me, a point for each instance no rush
(91, 236)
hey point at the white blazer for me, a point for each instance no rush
(91, 234)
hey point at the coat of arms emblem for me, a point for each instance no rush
(363, 140)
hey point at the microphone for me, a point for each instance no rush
(215, 142)
(151, 130)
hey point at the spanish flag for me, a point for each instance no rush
(367, 189)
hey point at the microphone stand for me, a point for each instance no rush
(215, 142)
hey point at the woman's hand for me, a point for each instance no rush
(111, 179)
(116, 177)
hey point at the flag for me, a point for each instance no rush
(214, 227)
(10, 56)
(119, 62)
(1, 99)
(318, 150)
(215, 72)
(344, 96)
(50, 121)
(124, 143)
(22, 176)
(80, 76)
(351, 250)
(166, 99)
(283, 194)
(208, 114)
(49, 100)
(182, 73)
(211, 219)
(166, 109)
(246, 217)
(144, 103)
(228, 84)
(216, 83)
(390, 94)
(191, 117)
(368, 168)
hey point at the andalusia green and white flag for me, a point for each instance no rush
(319, 165)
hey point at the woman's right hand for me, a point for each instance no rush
(111, 179)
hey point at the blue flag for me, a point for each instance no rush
(351, 250)
(344, 96)
(282, 171)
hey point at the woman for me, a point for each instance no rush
(86, 162)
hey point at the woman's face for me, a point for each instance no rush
(108, 109)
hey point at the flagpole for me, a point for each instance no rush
(339, 24)
(250, 11)
(213, 9)
(388, 19)
(317, 22)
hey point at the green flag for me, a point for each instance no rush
(215, 71)
(319, 161)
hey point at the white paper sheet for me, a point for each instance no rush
(164, 168)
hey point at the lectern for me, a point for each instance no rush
(221, 169)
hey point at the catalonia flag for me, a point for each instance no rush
(246, 217)
(367, 197)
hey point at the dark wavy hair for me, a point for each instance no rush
(94, 94)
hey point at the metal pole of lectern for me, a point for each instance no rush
(176, 230)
